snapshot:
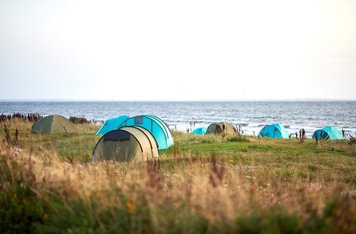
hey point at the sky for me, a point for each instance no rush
(177, 50)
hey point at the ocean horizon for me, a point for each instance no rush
(188, 100)
(249, 115)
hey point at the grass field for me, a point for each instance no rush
(202, 184)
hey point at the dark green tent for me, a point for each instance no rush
(128, 144)
(222, 128)
(53, 124)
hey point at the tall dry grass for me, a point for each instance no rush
(166, 191)
(248, 191)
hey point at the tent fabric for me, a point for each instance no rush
(224, 128)
(111, 124)
(328, 133)
(200, 131)
(53, 124)
(151, 139)
(274, 131)
(320, 134)
(129, 144)
(157, 127)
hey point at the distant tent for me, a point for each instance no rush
(328, 133)
(274, 131)
(53, 124)
(200, 131)
(78, 120)
(222, 128)
(157, 127)
(128, 144)
(111, 124)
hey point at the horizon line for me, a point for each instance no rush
(177, 100)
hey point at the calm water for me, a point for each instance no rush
(251, 116)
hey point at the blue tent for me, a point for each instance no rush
(274, 131)
(157, 127)
(328, 132)
(200, 131)
(111, 124)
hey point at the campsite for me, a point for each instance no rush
(212, 183)
(178, 117)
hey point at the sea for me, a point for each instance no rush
(249, 116)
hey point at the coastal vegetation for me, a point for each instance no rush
(202, 184)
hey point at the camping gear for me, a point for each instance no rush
(157, 127)
(53, 124)
(128, 144)
(223, 128)
(328, 133)
(111, 124)
(274, 131)
(200, 131)
(152, 140)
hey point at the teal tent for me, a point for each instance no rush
(274, 131)
(200, 131)
(111, 124)
(157, 127)
(328, 133)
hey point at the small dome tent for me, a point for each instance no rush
(129, 144)
(53, 124)
(111, 124)
(155, 126)
(328, 133)
(222, 128)
(200, 131)
(274, 131)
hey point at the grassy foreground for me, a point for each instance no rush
(207, 184)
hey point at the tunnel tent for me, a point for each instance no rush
(53, 124)
(274, 131)
(111, 124)
(155, 126)
(160, 120)
(328, 133)
(152, 140)
(164, 124)
(222, 128)
(200, 131)
(125, 145)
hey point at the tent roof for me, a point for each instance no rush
(128, 144)
(200, 131)
(270, 131)
(139, 131)
(157, 127)
(328, 132)
(229, 128)
(53, 124)
(111, 124)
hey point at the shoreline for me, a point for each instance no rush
(188, 127)
(182, 115)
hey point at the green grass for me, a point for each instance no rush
(76, 146)
(48, 184)
(282, 155)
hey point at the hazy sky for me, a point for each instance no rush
(177, 50)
